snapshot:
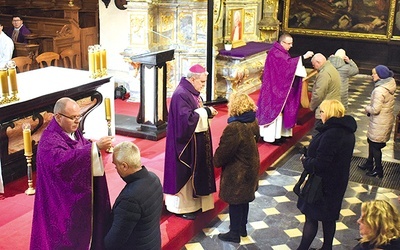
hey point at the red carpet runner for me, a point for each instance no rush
(16, 207)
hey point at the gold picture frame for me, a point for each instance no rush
(372, 20)
(236, 27)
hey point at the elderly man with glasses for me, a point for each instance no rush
(19, 31)
(72, 204)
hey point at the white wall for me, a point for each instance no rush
(114, 35)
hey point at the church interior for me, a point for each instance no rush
(154, 41)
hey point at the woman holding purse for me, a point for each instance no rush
(328, 156)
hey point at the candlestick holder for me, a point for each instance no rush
(14, 97)
(30, 190)
(110, 149)
(5, 99)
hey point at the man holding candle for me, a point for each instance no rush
(6, 48)
(71, 193)
(189, 172)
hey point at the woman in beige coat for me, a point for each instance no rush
(381, 118)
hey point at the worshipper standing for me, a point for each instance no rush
(189, 179)
(280, 91)
(72, 207)
(381, 118)
(328, 156)
(6, 48)
(326, 86)
(346, 68)
(19, 31)
(136, 212)
(379, 226)
(237, 155)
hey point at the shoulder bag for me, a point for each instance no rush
(309, 187)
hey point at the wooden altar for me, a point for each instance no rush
(38, 91)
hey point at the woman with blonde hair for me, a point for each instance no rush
(328, 156)
(238, 156)
(379, 226)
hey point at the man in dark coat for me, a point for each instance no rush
(189, 179)
(136, 212)
(19, 31)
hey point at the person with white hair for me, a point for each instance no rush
(189, 180)
(346, 68)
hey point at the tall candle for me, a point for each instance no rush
(108, 108)
(12, 73)
(27, 141)
(91, 60)
(103, 60)
(97, 60)
(4, 81)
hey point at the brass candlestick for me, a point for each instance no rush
(14, 97)
(110, 149)
(30, 190)
(5, 99)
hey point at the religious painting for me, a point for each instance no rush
(358, 19)
(236, 24)
(396, 25)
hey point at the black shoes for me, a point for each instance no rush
(365, 166)
(375, 173)
(188, 216)
(230, 236)
(243, 232)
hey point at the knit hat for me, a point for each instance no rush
(197, 69)
(383, 71)
(340, 53)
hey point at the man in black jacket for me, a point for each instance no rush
(137, 210)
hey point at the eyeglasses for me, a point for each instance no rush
(16, 20)
(288, 43)
(72, 118)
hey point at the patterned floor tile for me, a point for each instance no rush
(275, 222)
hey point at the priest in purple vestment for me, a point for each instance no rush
(72, 207)
(280, 92)
(189, 179)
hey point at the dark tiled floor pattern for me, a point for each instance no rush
(274, 220)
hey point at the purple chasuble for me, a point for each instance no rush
(68, 199)
(281, 89)
(187, 153)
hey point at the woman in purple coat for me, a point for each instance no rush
(329, 156)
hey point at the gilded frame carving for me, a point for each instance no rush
(369, 19)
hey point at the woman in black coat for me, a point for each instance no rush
(238, 156)
(329, 156)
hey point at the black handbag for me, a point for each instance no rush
(309, 187)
